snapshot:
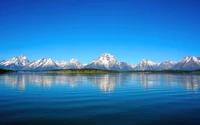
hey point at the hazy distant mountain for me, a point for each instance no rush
(126, 66)
(105, 61)
(62, 64)
(72, 64)
(166, 65)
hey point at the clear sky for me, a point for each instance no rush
(131, 30)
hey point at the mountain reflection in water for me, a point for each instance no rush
(105, 82)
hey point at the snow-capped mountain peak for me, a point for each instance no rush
(73, 60)
(107, 55)
(62, 65)
(146, 64)
(166, 65)
(18, 61)
(190, 58)
(72, 64)
(22, 57)
(108, 61)
(105, 58)
(167, 62)
(44, 63)
(2, 61)
(125, 66)
(105, 61)
(133, 66)
(188, 63)
(49, 61)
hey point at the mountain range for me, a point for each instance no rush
(105, 61)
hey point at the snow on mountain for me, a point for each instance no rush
(74, 64)
(2, 61)
(146, 64)
(84, 65)
(43, 64)
(15, 63)
(166, 65)
(109, 62)
(62, 64)
(132, 66)
(22, 63)
(188, 63)
(126, 66)
(105, 61)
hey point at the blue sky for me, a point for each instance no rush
(84, 29)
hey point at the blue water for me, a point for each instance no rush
(102, 99)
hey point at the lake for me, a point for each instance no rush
(100, 99)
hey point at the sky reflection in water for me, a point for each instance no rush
(105, 82)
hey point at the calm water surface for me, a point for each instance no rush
(103, 99)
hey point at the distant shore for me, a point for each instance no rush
(164, 71)
(5, 70)
(101, 71)
(115, 71)
(89, 71)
